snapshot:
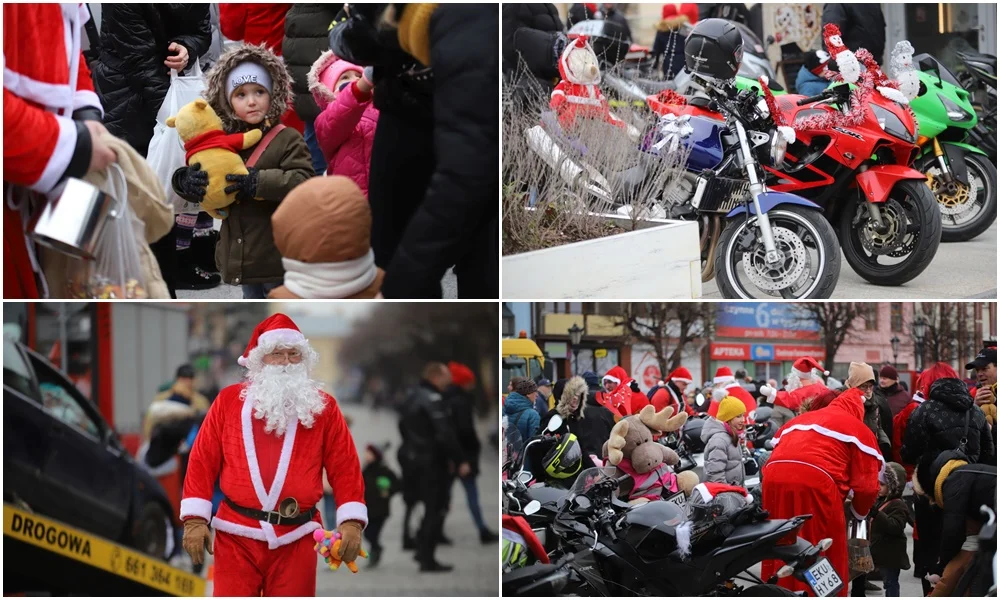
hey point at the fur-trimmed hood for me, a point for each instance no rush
(577, 386)
(215, 85)
(319, 84)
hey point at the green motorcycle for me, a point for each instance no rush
(961, 175)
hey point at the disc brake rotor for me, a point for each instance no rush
(952, 204)
(895, 241)
(782, 275)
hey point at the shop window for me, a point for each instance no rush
(896, 316)
(869, 313)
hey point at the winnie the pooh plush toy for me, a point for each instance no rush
(206, 143)
(632, 450)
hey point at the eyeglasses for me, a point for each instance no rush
(290, 355)
(867, 387)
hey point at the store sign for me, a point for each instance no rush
(557, 349)
(764, 320)
(762, 352)
(730, 351)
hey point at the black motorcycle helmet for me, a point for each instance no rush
(714, 50)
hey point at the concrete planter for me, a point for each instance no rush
(659, 260)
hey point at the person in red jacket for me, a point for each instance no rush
(726, 385)
(672, 393)
(803, 384)
(267, 441)
(51, 125)
(261, 24)
(822, 458)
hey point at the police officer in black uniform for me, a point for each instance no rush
(432, 457)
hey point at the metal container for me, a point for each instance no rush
(73, 222)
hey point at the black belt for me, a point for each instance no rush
(288, 516)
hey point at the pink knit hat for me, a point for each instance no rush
(323, 76)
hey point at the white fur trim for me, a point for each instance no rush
(274, 540)
(196, 507)
(85, 98)
(611, 378)
(769, 392)
(703, 492)
(246, 531)
(57, 96)
(291, 337)
(893, 94)
(268, 500)
(830, 433)
(352, 511)
(683, 534)
(61, 156)
(724, 379)
(718, 395)
(321, 94)
(680, 379)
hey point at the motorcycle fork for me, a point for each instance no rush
(756, 189)
(943, 161)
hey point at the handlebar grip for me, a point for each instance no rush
(610, 531)
(811, 99)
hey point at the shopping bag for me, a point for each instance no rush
(166, 149)
(859, 553)
(116, 271)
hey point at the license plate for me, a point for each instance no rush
(678, 499)
(823, 579)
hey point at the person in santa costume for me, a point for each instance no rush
(804, 383)
(725, 384)
(577, 95)
(52, 126)
(821, 459)
(268, 441)
(672, 393)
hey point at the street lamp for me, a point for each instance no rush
(895, 349)
(575, 335)
(919, 331)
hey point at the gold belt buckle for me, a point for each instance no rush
(289, 508)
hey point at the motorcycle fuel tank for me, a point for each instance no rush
(705, 143)
(651, 529)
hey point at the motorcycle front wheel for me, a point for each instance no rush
(972, 208)
(810, 266)
(908, 241)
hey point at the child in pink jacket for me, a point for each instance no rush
(345, 128)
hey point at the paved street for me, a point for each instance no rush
(965, 270)
(476, 566)
(232, 292)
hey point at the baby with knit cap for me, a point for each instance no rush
(345, 129)
(323, 232)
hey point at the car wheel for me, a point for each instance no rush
(149, 531)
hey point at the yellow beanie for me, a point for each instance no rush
(730, 408)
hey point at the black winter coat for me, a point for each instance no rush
(380, 484)
(861, 26)
(434, 180)
(460, 404)
(129, 75)
(888, 535)
(307, 31)
(897, 397)
(595, 428)
(937, 425)
(429, 439)
(576, 13)
(963, 491)
(532, 34)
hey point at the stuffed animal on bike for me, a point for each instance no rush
(206, 144)
(577, 96)
(328, 546)
(633, 451)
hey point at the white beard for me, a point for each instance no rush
(283, 392)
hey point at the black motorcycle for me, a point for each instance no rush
(980, 78)
(623, 550)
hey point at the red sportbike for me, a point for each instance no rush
(886, 216)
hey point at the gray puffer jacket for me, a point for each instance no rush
(723, 460)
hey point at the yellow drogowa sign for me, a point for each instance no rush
(99, 553)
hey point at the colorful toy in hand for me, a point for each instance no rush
(328, 546)
(206, 143)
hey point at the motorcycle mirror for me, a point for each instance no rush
(525, 477)
(532, 507)
(554, 423)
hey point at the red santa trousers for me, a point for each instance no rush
(792, 489)
(245, 567)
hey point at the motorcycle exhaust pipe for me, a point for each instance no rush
(572, 173)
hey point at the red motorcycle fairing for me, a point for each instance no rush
(878, 180)
(662, 108)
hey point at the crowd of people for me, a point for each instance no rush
(865, 450)
(379, 141)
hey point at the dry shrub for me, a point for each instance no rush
(600, 169)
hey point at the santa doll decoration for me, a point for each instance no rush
(577, 95)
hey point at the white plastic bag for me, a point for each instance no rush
(166, 150)
(116, 271)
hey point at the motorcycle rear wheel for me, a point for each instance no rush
(920, 205)
(801, 221)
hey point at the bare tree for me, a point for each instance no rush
(661, 324)
(836, 323)
(943, 332)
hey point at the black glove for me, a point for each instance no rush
(190, 183)
(245, 186)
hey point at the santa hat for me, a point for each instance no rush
(680, 374)
(709, 490)
(272, 331)
(723, 375)
(804, 366)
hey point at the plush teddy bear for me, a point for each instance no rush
(632, 450)
(577, 95)
(206, 143)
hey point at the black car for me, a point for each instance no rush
(62, 460)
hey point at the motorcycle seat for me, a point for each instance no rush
(983, 58)
(748, 533)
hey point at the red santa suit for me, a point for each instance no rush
(622, 401)
(258, 470)
(793, 400)
(45, 80)
(577, 94)
(724, 376)
(819, 457)
(669, 396)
